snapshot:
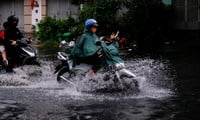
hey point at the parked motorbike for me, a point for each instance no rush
(65, 72)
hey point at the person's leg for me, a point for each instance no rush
(95, 61)
(14, 57)
(3, 53)
(90, 72)
(4, 57)
(10, 52)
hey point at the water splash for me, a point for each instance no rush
(154, 76)
(19, 78)
(155, 80)
(30, 76)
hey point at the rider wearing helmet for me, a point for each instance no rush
(12, 34)
(86, 50)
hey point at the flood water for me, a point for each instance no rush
(169, 90)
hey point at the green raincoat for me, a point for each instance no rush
(86, 47)
(111, 54)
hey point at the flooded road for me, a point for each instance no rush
(168, 91)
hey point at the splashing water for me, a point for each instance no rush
(155, 80)
(154, 76)
(30, 76)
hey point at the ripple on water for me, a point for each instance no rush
(10, 110)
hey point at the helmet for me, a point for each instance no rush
(90, 23)
(13, 20)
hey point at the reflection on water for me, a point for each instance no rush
(10, 110)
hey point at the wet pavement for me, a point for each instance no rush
(169, 91)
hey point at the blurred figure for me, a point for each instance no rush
(12, 34)
(2, 48)
(114, 39)
(112, 36)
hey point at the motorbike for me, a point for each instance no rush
(27, 54)
(66, 72)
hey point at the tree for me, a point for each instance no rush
(143, 21)
(105, 11)
(149, 21)
(49, 27)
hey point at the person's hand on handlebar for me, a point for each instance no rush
(13, 42)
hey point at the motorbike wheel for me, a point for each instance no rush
(64, 76)
(129, 82)
(35, 62)
(31, 62)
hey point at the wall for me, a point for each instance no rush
(11, 7)
(61, 9)
(30, 14)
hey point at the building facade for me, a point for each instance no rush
(30, 12)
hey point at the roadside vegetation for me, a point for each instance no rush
(145, 22)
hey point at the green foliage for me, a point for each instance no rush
(49, 44)
(143, 21)
(75, 2)
(104, 11)
(147, 22)
(78, 28)
(49, 27)
(33, 28)
(136, 16)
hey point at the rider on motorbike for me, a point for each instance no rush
(91, 50)
(91, 55)
(86, 51)
(12, 34)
